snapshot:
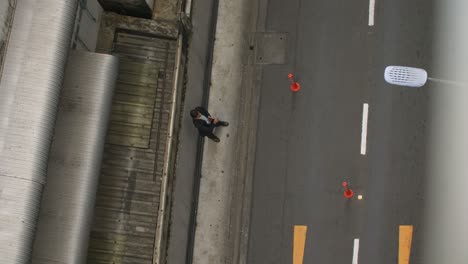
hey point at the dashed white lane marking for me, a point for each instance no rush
(356, 251)
(365, 116)
(371, 12)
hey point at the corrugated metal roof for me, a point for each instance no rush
(62, 232)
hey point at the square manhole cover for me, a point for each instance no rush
(271, 48)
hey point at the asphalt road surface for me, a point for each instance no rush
(309, 142)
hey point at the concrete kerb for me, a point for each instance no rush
(246, 157)
(158, 256)
(162, 225)
(167, 163)
(227, 167)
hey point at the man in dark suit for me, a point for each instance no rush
(205, 123)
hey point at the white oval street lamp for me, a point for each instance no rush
(411, 77)
(405, 76)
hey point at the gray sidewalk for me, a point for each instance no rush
(210, 206)
(224, 197)
(189, 151)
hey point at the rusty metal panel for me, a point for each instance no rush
(129, 190)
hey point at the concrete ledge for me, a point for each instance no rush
(112, 22)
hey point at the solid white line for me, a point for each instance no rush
(356, 251)
(365, 116)
(371, 12)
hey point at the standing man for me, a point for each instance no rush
(205, 123)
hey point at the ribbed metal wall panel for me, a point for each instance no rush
(75, 159)
(29, 90)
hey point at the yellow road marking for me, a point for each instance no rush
(404, 249)
(300, 233)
